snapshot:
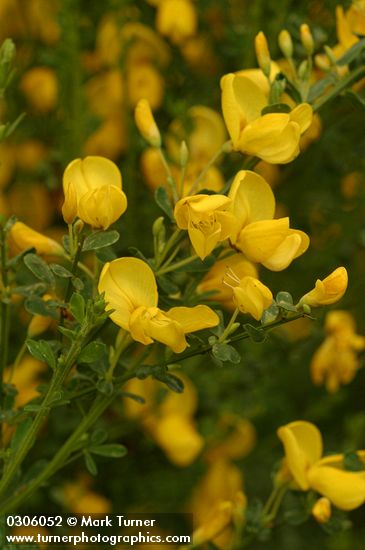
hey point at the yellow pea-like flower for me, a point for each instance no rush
(93, 192)
(303, 456)
(251, 296)
(177, 28)
(146, 123)
(23, 236)
(273, 137)
(40, 87)
(321, 510)
(329, 290)
(272, 243)
(130, 289)
(207, 220)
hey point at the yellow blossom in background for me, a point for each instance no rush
(79, 498)
(23, 237)
(40, 87)
(176, 19)
(321, 510)
(273, 137)
(93, 192)
(336, 362)
(32, 204)
(328, 291)
(130, 289)
(109, 140)
(303, 456)
(105, 93)
(146, 123)
(145, 82)
(217, 501)
(30, 154)
(207, 220)
(213, 280)
(237, 443)
(39, 323)
(170, 422)
(26, 378)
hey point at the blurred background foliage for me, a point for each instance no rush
(81, 67)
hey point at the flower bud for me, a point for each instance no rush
(286, 43)
(321, 510)
(262, 53)
(184, 154)
(24, 237)
(146, 123)
(306, 38)
(328, 291)
(331, 56)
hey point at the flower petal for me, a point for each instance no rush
(194, 318)
(302, 114)
(128, 283)
(303, 447)
(344, 489)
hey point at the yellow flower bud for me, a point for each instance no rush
(321, 510)
(146, 123)
(93, 192)
(262, 53)
(177, 19)
(251, 296)
(286, 43)
(24, 237)
(328, 291)
(306, 38)
(40, 87)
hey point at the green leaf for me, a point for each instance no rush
(352, 462)
(32, 407)
(105, 386)
(60, 271)
(36, 306)
(352, 53)
(70, 334)
(112, 450)
(19, 434)
(40, 349)
(135, 397)
(255, 334)
(270, 314)
(77, 307)
(92, 352)
(356, 99)
(172, 382)
(163, 201)
(39, 268)
(276, 108)
(90, 464)
(100, 240)
(77, 284)
(226, 352)
(98, 437)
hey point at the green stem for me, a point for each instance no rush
(228, 328)
(63, 455)
(210, 163)
(170, 243)
(28, 441)
(4, 313)
(75, 264)
(350, 79)
(170, 178)
(177, 265)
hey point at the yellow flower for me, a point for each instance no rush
(206, 219)
(251, 296)
(145, 82)
(328, 291)
(321, 510)
(213, 280)
(303, 451)
(218, 501)
(93, 192)
(262, 53)
(40, 87)
(335, 362)
(130, 289)
(109, 139)
(176, 19)
(146, 123)
(273, 137)
(272, 243)
(237, 443)
(24, 237)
